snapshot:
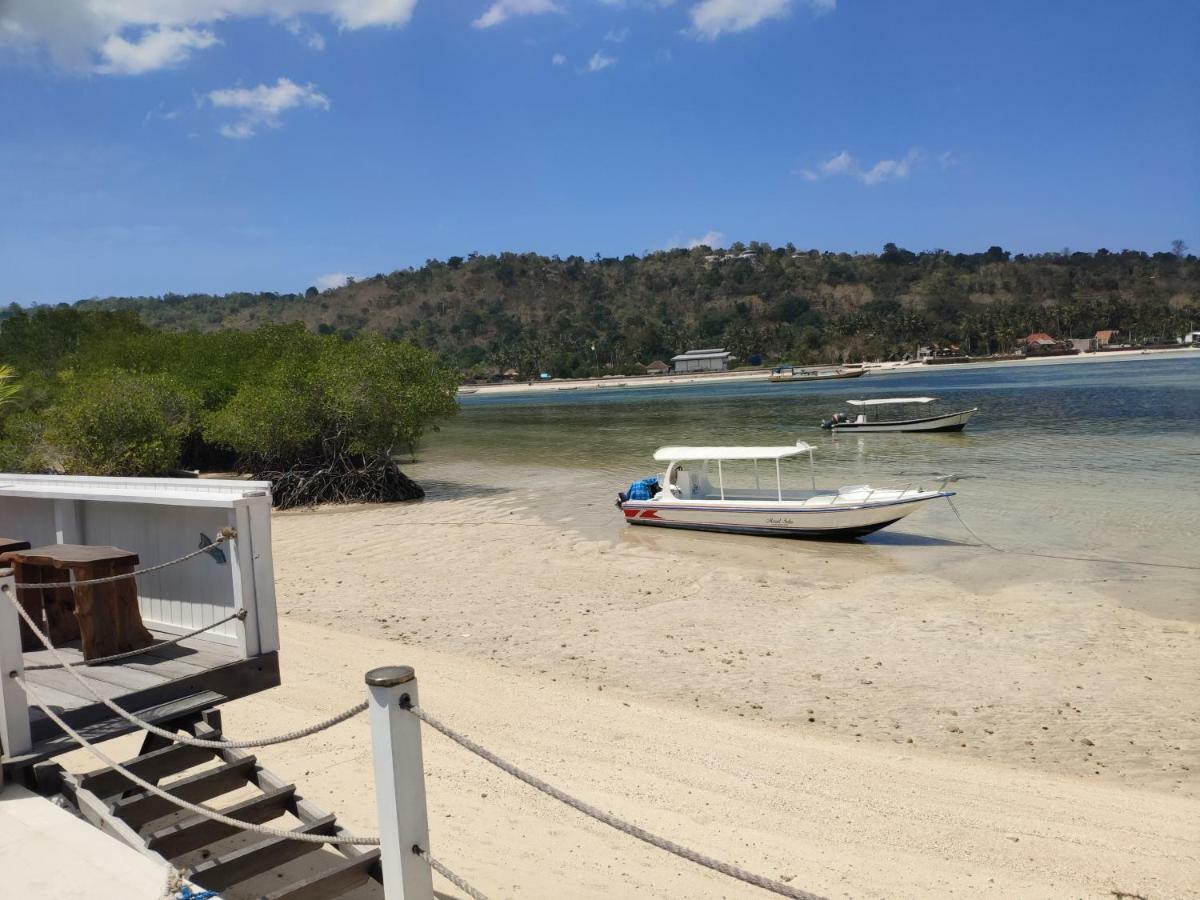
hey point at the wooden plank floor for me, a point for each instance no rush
(157, 666)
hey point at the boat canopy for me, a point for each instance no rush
(888, 401)
(696, 454)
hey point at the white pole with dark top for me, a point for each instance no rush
(15, 737)
(399, 783)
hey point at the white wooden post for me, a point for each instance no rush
(399, 784)
(15, 738)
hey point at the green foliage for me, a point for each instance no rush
(9, 388)
(575, 316)
(364, 397)
(120, 423)
(132, 401)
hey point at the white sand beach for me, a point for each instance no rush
(745, 376)
(884, 733)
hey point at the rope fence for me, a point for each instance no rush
(225, 534)
(162, 732)
(195, 808)
(240, 615)
(438, 866)
(767, 884)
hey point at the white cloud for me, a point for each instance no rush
(845, 164)
(558, 59)
(264, 104)
(599, 62)
(708, 239)
(331, 281)
(310, 37)
(137, 36)
(712, 239)
(154, 49)
(617, 35)
(712, 18)
(506, 9)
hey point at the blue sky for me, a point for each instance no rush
(220, 145)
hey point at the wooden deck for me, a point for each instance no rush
(160, 685)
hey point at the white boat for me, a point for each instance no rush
(796, 373)
(685, 496)
(954, 421)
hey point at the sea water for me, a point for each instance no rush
(1098, 459)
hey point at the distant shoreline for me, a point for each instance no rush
(888, 368)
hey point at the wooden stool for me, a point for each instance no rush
(104, 617)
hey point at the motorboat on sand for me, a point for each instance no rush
(708, 489)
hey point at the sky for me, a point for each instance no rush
(154, 146)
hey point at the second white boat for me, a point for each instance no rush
(955, 421)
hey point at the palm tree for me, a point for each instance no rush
(8, 388)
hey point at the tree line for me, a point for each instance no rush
(98, 392)
(574, 316)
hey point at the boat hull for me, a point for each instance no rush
(851, 373)
(956, 421)
(835, 521)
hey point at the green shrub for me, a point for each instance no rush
(119, 423)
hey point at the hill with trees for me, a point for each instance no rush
(576, 316)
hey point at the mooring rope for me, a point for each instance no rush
(162, 732)
(225, 534)
(612, 821)
(1095, 559)
(240, 615)
(456, 880)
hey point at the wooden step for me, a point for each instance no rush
(341, 879)
(151, 766)
(144, 807)
(241, 865)
(192, 834)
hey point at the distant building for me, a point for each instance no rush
(1040, 339)
(1108, 337)
(1084, 345)
(658, 367)
(1192, 337)
(935, 351)
(510, 374)
(713, 359)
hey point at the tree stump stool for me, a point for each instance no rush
(104, 617)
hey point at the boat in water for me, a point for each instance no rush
(954, 421)
(797, 373)
(701, 489)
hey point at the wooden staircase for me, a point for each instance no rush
(237, 864)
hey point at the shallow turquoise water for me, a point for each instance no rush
(1102, 457)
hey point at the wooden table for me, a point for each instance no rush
(104, 617)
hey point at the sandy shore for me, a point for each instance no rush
(880, 733)
(647, 381)
(863, 730)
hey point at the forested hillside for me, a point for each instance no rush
(574, 316)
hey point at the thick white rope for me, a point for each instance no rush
(223, 535)
(162, 732)
(129, 654)
(456, 880)
(176, 801)
(612, 821)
